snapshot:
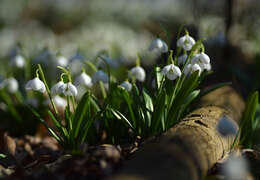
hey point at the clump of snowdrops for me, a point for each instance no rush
(140, 105)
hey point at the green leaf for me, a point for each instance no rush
(120, 116)
(2, 156)
(80, 113)
(158, 77)
(248, 119)
(46, 125)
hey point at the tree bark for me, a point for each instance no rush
(190, 148)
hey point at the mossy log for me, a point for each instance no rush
(189, 149)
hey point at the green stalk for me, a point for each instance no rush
(47, 89)
(103, 91)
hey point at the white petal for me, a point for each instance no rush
(56, 88)
(139, 73)
(35, 84)
(72, 89)
(166, 69)
(126, 85)
(83, 79)
(181, 41)
(171, 76)
(204, 58)
(177, 70)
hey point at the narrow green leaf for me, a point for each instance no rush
(120, 116)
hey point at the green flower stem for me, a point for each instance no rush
(73, 103)
(70, 118)
(103, 90)
(47, 89)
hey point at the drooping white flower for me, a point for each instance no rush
(83, 79)
(11, 85)
(69, 89)
(126, 85)
(186, 42)
(181, 59)
(100, 76)
(202, 60)
(171, 71)
(235, 168)
(18, 61)
(158, 45)
(35, 84)
(191, 68)
(138, 72)
(227, 126)
(57, 88)
(62, 61)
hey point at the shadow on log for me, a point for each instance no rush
(189, 149)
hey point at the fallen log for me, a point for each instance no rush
(190, 148)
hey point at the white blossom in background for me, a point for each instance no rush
(3, 106)
(76, 63)
(11, 85)
(181, 59)
(57, 88)
(235, 168)
(227, 126)
(138, 73)
(126, 85)
(171, 71)
(62, 61)
(100, 76)
(68, 89)
(186, 42)
(191, 68)
(158, 45)
(58, 101)
(18, 61)
(35, 84)
(84, 80)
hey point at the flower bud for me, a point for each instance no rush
(171, 71)
(83, 79)
(138, 72)
(35, 84)
(126, 85)
(158, 45)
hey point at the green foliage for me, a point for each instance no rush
(250, 123)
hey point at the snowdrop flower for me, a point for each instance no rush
(62, 61)
(18, 61)
(10, 84)
(182, 59)
(227, 126)
(158, 45)
(191, 68)
(186, 42)
(138, 72)
(68, 89)
(235, 168)
(126, 85)
(83, 79)
(100, 76)
(201, 58)
(35, 84)
(171, 71)
(57, 88)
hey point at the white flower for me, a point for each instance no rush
(138, 72)
(100, 76)
(58, 101)
(83, 79)
(227, 126)
(186, 42)
(190, 68)
(158, 45)
(182, 59)
(62, 61)
(10, 84)
(202, 60)
(69, 89)
(18, 61)
(235, 168)
(35, 84)
(171, 71)
(57, 88)
(126, 85)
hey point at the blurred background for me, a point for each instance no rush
(82, 28)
